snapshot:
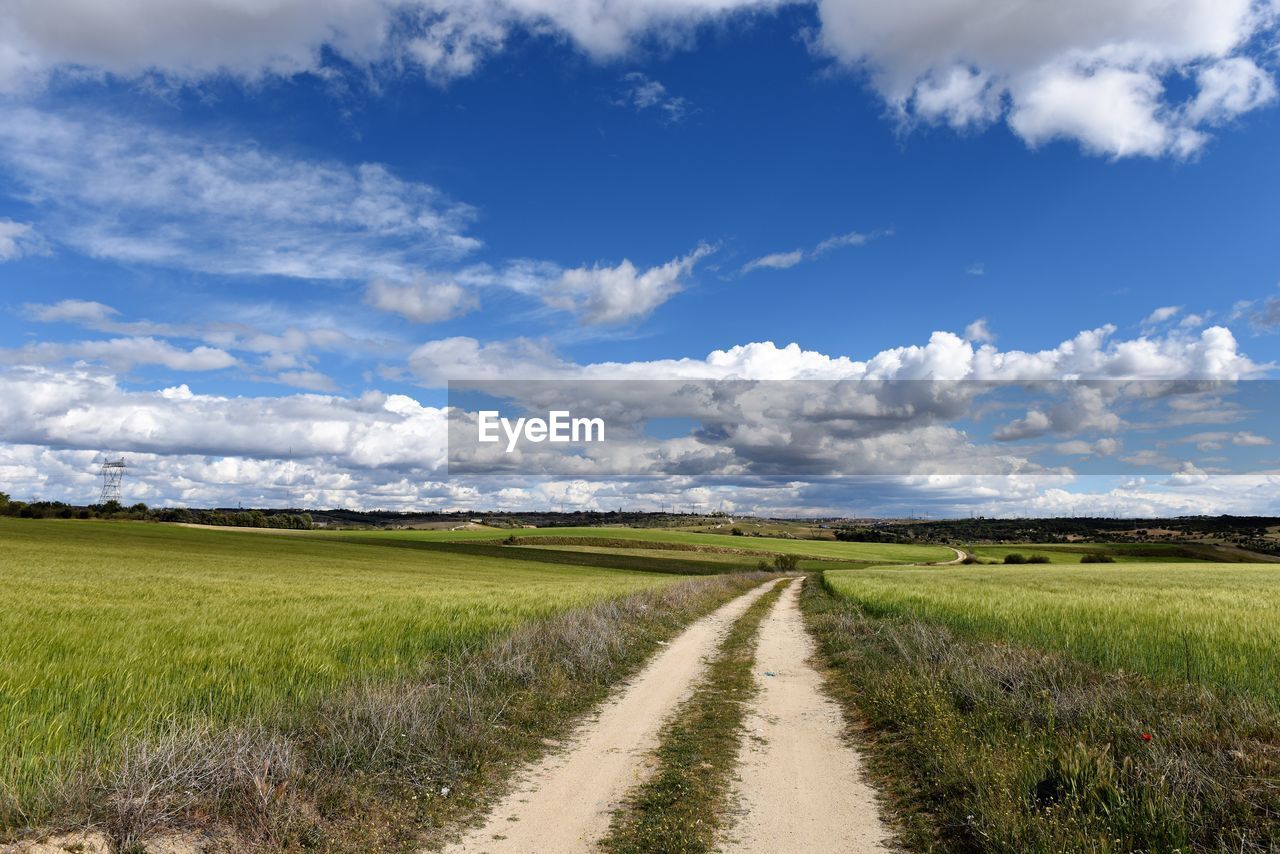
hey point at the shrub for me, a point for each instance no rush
(1097, 558)
(1015, 557)
(1038, 559)
(786, 563)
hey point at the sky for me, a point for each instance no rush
(248, 245)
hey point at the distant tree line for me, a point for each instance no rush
(871, 535)
(1248, 532)
(140, 512)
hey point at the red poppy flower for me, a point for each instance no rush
(1146, 736)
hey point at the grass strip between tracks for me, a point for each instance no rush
(681, 806)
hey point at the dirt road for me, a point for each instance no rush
(800, 784)
(563, 804)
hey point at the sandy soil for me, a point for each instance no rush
(563, 804)
(800, 785)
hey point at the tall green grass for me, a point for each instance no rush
(1217, 624)
(116, 630)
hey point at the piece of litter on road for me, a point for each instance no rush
(662, 643)
(770, 673)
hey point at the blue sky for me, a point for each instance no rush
(361, 201)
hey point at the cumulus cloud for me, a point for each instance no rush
(442, 39)
(422, 300)
(80, 409)
(371, 446)
(979, 332)
(1229, 88)
(1094, 71)
(1092, 354)
(117, 190)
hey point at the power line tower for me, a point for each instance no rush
(112, 473)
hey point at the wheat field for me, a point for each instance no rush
(111, 630)
(1214, 623)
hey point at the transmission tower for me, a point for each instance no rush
(112, 472)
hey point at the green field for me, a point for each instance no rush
(110, 629)
(857, 552)
(723, 562)
(1120, 552)
(1215, 623)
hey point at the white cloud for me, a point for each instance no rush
(961, 97)
(78, 311)
(287, 352)
(1188, 475)
(1229, 88)
(776, 261)
(435, 363)
(1212, 354)
(202, 38)
(131, 193)
(850, 238)
(1109, 110)
(18, 239)
(607, 295)
(641, 92)
(1099, 448)
(1091, 71)
(1034, 423)
(1191, 321)
(79, 409)
(786, 260)
(977, 268)
(978, 332)
(310, 380)
(422, 300)
(388, 450)
(1161, 315)
(122, 354)
(1213, 441)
